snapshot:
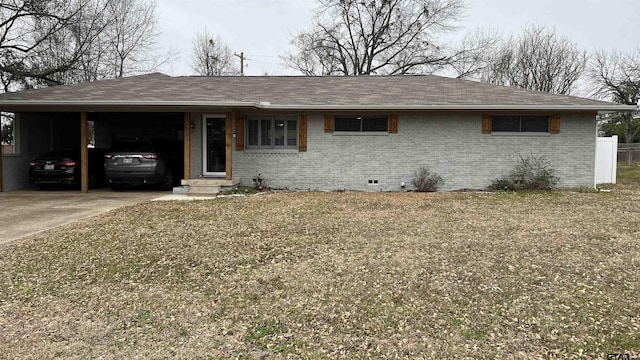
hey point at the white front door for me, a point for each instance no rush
(214, 145)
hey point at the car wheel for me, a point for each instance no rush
(167, 182)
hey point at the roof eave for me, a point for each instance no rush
(595, 108)
(35, 105)
(106, 105)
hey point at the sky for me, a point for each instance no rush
(263, 29)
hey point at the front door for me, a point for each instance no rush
(214, 145)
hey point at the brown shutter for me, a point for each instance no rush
(239, 132)
(555, 124)
(486, 124)
(328, 123)
(302, 133)
(393, 124)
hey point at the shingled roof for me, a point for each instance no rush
(411, 92)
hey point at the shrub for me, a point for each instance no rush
(426, 181)
(530, 173)
(260, 182)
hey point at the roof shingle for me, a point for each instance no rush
(412, 92)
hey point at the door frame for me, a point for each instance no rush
(204, 145)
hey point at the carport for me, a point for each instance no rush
(198, 114)
(40, 128)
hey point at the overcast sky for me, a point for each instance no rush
(262, 29)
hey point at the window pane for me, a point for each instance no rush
(252, 133)
(378, 123)
(8, 143)
(535, 123)
(292, 133)
(265, 132)
(505, 123)
(279, 132)
(347, 123)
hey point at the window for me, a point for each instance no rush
(10, 135)
(361, 123)
(272, 132)
(520, 123)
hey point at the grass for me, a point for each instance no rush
(629, 175)
(539, 275)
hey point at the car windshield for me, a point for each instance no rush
(132, 146)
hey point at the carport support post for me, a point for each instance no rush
(228, 141)
(1, 148)
(187, 146)
(84, 153)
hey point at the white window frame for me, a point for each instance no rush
(272, 120)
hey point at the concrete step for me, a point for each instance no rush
(210, 182)
(180, 189)
(208, 186)
(211, 190)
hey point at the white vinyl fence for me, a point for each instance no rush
(606, 159)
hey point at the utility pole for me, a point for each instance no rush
(241, 56)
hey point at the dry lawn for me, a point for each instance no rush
(326, 275)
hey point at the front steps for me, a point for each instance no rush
(205, 186)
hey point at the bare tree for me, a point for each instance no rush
(125, 45)
(537, 60)
(472, 56)
(74, 43)
(50, 42)
(25, 28)
(133, 34)
(313, 58)
(616, 77)
(95, 61)
(355, 37)
(212, 57)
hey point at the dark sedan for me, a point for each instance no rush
(140, 162)
(62, 168)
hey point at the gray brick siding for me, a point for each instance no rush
(448, 143)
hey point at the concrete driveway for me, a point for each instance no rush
(24, 213)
